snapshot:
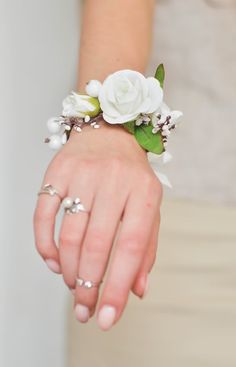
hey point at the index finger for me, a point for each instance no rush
(44, 225)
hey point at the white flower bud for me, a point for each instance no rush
(93, 87)
(80, 105)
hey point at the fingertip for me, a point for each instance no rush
(141, 285)
(106, 317)
(53, 266)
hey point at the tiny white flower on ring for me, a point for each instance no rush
(126, 94)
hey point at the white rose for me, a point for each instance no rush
(127, 93)
(80, 105)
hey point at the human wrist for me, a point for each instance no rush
(108, 138)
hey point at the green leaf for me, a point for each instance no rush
(130, 126)
(160, 74)
(149, 141)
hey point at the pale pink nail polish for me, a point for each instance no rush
(53, 266)
(106, 317)
(82, 313)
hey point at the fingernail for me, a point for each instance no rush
(53, 265)
(146, 286)
(82, 313)
(106, 317)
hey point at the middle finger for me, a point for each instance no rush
(99, 237)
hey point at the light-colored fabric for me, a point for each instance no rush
(196, 42)
(189, 315)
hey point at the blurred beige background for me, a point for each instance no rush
(196, 41)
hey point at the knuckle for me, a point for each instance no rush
(114, 165)
(95, 242)
(86, 164)
(63, 162)
(153, 187)
(68, 239)
(41, 216)
(116, 162)
(132, 245)
(150, 181)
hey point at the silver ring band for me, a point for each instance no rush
(87, 283)
(48, 189)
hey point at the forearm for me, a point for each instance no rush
(115, 34)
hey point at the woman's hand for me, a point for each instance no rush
(110, 173)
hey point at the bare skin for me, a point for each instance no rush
(110, 173)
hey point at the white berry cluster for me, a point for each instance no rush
(78, 109)
(163, 120)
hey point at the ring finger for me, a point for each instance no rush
(73, 228)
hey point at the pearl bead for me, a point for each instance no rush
(53, 125)
(55, 142)
(67, 202)
(92, 88)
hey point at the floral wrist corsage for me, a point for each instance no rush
(125, 97)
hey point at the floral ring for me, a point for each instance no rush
(48, 189)
(87, 283)
(73, 206)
